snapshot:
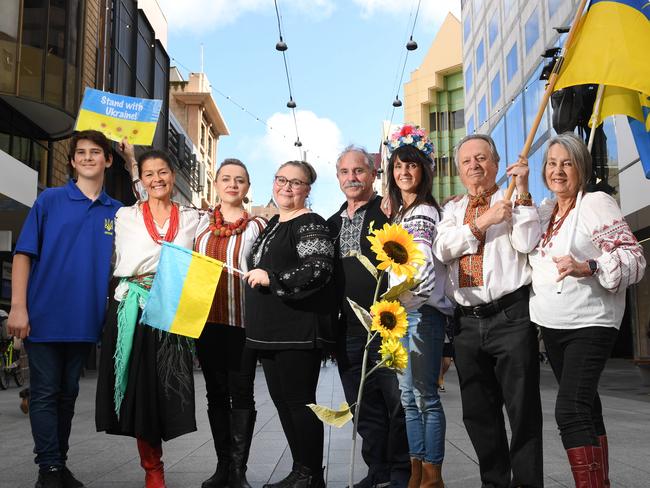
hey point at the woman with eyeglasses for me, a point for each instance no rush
(288, 313)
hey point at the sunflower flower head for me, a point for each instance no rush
(393, 354)
(389, 319)
(395, 249)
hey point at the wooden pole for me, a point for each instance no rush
(547, 94)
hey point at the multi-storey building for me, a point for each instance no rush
(192, 104)
(433, 99)
(503, 41)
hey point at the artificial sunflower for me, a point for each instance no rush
(389, 319)
(395, 248)
(393, 354)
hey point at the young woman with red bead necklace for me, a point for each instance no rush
(145, 386)
(228, 235)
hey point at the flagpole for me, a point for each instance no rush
(595, 116)
(547, 94)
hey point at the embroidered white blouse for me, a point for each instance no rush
(599, 300)
(421, 223)
(136, 253)
(505, 264)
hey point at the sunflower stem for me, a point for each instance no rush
(376, 366)
(364, 365)
(372, 338)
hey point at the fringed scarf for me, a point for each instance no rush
(127, 317)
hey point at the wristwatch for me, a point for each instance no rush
(593, 266)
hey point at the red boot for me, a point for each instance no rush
(587, 466)
(602, 440)
(152, 464)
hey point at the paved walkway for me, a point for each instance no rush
(104, 461)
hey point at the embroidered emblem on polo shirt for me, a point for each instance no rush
(108, 227)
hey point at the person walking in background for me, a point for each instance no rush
(580, 324)
(381, 421)
(145, 386)
(484, 241)
(289, 302)
(67, 239)
(410, 181)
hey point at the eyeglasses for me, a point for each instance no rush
(282, 181)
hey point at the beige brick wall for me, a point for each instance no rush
(88, 74)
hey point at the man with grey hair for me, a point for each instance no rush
(484, 240)
(381, 420)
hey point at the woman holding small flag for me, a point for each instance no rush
(288, 316)
(145, 387)
(228, 235)
(589, 249)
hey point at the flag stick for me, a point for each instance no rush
(595, 116)
(547, 94)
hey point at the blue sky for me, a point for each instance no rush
(345, 58)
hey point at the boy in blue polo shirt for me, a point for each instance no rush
(61, 271)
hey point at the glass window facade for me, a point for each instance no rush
(470, 125)
(482, 111)
(531, 29)
(495, 90)
(467, 27)
(514, 132)
(553, 6)
(493, 28)
(480, 55)
(469, 78)
(512, 62)
(532, 99)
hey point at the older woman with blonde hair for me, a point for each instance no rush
(588, 246)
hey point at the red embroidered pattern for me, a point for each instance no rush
(618, 240)
(470, 266)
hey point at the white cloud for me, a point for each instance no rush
(322, 141)
(211, 14)
(433, 11)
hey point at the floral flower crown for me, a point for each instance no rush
(411, 135)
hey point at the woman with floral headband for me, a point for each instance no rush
(410, 181)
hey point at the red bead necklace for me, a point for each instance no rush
(221, 229)
(149, 223)
(554, 226)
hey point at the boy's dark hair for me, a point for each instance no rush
(154, 154)
(93, 136)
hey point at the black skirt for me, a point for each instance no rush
(159, 400)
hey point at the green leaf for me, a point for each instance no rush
(361, 313)
(397, 290)
(365, 261)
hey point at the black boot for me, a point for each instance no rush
(242, 422)
(288, 480)
(220, 427)
(308, 478)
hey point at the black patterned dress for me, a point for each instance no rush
(296, 310)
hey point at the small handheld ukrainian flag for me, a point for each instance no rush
(182, 291)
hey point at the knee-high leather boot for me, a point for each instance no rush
(220, 426)
(242, 423)
(602, 440)
(586, 466)
(150, 460)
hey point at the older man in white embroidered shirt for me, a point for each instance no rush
(484, 240)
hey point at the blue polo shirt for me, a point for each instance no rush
(70, 240)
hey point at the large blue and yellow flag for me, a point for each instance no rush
(611, 49)
(119, 116)
(182, 291)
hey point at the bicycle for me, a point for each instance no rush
(10, 364)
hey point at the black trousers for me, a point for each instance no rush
(381, 422)
(292, 378)
(228, 367)
(578, 358)
(496, 360)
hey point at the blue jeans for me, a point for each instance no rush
(54, 371)
(425, 418)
